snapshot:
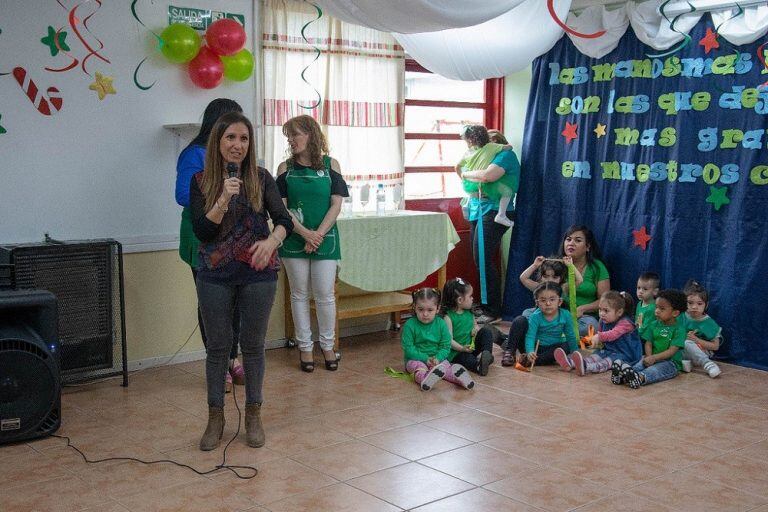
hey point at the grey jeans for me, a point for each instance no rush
(217, 304)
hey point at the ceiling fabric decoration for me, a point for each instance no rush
(594, 19)
(654, 29)
(495, 48)
(743, 28)
(412, 16)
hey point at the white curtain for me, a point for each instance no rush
(496, 48)
(747, 27)
(409, 16)
(595, 19)
(360, 78)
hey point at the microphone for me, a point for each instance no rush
(232, 172)
(232, 169)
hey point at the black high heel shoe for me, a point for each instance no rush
(332, 364)
(306, 366)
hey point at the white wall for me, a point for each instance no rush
(98, 168)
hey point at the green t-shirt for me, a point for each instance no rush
(422, 341)
(462, 324)
(586, 292)
(664, 336)
(643, 313)
(705, 327)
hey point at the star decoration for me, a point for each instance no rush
(600, 130)
(641, 237)
(717, 196)
(102, 85)
(709, 41)
(2, 130)
(51, 39)
(570, 132)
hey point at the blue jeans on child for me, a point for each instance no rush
(663, 370)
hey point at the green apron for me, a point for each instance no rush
(188, 243)
(309, 199)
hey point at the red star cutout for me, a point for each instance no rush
(709, 41)
(570, 132)
(641, 237)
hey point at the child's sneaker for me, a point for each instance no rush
(578, 362)
(563, 360)
(712, 369)
(687, 366)
(463, 376)
(617, 375)
(508, 359)
(432, 377)
(486, 358)
(633, 378)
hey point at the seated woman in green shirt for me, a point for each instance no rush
(579, 243)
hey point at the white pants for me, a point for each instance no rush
(319, 276)
(697, 356)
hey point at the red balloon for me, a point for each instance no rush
(225, 36)
(206, 70)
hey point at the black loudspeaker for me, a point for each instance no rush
(30, 375)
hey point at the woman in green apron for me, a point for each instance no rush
(312, 188)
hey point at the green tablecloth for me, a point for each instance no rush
(395, 251)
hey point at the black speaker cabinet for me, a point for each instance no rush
(30, 380)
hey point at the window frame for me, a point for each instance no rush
(492, 106)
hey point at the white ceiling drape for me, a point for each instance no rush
(474, 40)
(495, 48)
(411, 16)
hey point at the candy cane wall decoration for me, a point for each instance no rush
(44, 105)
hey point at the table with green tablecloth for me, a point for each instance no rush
(382, 255)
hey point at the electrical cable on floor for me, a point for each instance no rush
(223, 465)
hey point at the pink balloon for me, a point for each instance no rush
(225, 36)
(206, 70)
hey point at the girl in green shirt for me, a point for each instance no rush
(703, 335)
(426, 344)
(471, 346)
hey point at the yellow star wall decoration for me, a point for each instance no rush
(600, 130)
(102, 85)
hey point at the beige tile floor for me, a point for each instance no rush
(358, 440)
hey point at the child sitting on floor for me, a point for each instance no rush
(426, 344)
(647, 289)
(703, 335)
(552, 270)
(616, 333)
(664, 338)
(550, 326)
(471, 346)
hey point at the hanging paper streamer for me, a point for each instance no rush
(761, 58)
(317, 56)
(572, 299)
(686, 37)
(2, 130)
(551, 8)
(44, 105)
(73, 21)
(481, 253)
(159, 47)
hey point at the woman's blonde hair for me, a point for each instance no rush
(317, 145)
(216, 170)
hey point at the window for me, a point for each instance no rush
(435, 110)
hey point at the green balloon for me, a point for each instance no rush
(180, 43)
(238, 67)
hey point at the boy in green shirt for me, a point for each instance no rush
(703, 334)
(647, 289)
(664, 338)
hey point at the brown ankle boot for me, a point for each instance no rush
(213, 432)
(254, 430)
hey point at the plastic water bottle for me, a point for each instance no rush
(381, 200)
